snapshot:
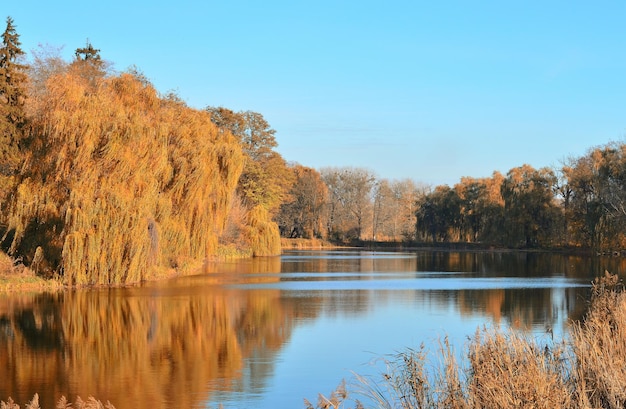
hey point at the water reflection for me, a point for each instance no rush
(231, 333)
(151, 347)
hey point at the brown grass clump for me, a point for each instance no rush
(505, 371)
(8, 265)
(300, 243)
(599, 344)
(119, 183)
(63, 403)
(509, 371)
(14, 276)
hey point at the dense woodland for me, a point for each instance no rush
(104, 180)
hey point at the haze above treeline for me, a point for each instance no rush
(105, 180)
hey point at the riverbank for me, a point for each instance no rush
(15, 277)
(306, 244)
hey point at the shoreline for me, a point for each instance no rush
(18, 278)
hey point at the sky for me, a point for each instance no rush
(427, 90)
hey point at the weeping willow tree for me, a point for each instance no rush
(118, 183)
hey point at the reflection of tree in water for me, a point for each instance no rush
(522, 308)
(519, 263)
(39, 324)
(141, 347)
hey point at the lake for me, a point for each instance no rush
(269, 332)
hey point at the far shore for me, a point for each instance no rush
(18, 278)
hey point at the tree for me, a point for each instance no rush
(303, 216)
(406, 194)
(597, 205)
(471, 192)
(88, 64)
(88, 53)
(46, 62)
(529, 205)
(350, 204)
(383, 209)
(119, 184)
(12, 99)
(253, 131)
(266, 179)
(439, 214)
(481, 208)
(394, 204)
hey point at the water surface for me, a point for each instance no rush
(268, 332)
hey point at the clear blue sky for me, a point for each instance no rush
(429, 90)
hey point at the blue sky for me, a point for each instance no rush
(427, 90)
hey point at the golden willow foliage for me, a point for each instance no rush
(119, 182)
(263, 233)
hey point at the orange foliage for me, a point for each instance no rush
(120, 183)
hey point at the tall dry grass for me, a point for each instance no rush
(509, 370)
(599, 345)
(62, 403)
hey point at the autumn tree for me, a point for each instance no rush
(471, 192)
(46, 62)
(530, 206)
(597, 201)
(266, 178)
(13, 82)
(481, 208)
(382, 208)
(439, 215)
(350, 203)
(89, 64)
(394, 205)
(304, 215)
(119, 184)
(265, 181)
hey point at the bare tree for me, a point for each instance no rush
(350, 201)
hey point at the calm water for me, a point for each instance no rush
(266, 333)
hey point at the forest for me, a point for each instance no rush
(104, 181)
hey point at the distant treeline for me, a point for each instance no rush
(581, 205)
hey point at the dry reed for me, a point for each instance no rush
(63, 403)
(599, 344)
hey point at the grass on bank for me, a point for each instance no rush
(63, 403)
(302, 244)
(508, 370)
(14, 276)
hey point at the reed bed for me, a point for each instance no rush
(63, 403)
(505, 369)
